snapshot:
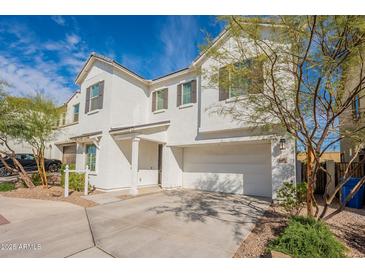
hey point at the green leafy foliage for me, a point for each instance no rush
(29, 120)
(297, 86)
(7, 187)
(292, 197)
(36, 179)
(308, 238)
(76, 180)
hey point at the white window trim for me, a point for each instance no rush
(186, 105)
(96, 158)
(78, 114)
(236, 99)
(230, 90)
(92, 97)
(63, 119)
(182, 105)
(93, 111)
(160, 109)
(239, 97)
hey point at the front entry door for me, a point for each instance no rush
(160, 164)
(69, 155)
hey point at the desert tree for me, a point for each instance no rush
(289, 73)
(11, 126)
(39, 116)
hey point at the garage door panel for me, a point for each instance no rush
(240, 169)
(218, 182)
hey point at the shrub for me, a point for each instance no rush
(36, 179)
(76, 181)
(292, 197)
(7, 187)
(308, 238)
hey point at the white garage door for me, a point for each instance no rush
(239, 169)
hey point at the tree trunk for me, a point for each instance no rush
(43, 169)
(310, 179)
(39, 155)
(17, 167)
(22, 173)
(7, 167)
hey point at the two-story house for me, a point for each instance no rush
(352, 121)
(133, 132)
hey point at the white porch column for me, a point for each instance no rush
(134, 179)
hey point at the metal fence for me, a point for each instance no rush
(321, 179)
(356, 170)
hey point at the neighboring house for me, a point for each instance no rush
(134, 132)
(327, 156)
(23, 147)
(355, 115)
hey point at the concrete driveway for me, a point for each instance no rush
(42, 228)
(175, 224)
(164, 224)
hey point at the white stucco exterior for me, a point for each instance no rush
(180, 146)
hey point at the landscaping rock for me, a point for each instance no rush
(56, 193)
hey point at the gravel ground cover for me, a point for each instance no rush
(54, 193)
(348, 226)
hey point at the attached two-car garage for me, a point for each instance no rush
(231, 168)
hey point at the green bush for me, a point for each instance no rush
(308, 238)
(7, 187)
(76, 181)
(292, 197)
(36, 179)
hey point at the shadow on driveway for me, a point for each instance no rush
(175, 223)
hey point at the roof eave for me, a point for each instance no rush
(93, 57)
(197, 62)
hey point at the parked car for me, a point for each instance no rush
(29, 163)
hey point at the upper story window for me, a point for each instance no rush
(76, 109)
(356, 107)
(240, 83)
(62, 119)
(186, 93)
(240, 78)
(160, 99)
(94, 97)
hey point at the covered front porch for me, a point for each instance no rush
(141, 147)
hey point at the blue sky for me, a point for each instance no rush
(45, 53)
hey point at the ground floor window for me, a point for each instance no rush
(91, 157)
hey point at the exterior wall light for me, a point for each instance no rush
(282, 143)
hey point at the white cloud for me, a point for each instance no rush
(72, 39)
(59, 20)
(30, 64)
(179, 38)
(73, 64)
(26, 80)
(53, 45)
